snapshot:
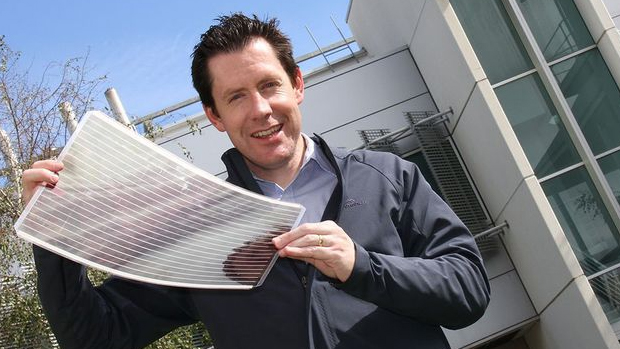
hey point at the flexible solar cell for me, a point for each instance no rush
(126, 206)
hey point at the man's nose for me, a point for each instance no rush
(260, 106)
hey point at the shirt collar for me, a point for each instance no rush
(318, 156)
(310, 153)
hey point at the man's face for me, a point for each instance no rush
(258, 106)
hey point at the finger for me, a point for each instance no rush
(300, 232)
(35, 177)
(38, 176)
(305, 253)
(318, 240)
(51, 165)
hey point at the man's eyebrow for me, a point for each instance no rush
(269, 79)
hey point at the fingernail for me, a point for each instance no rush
(55, 178)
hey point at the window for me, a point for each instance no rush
(537, 125)
(584, 219)
(593, 97)
(557, 27)
(494, 39)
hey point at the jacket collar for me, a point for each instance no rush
(239, 174)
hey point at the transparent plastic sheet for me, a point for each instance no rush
(126, 206)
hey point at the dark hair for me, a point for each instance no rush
(234, 33)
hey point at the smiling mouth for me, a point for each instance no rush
(268, 132)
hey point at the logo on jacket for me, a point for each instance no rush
(350, 203)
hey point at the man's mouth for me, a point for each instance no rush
(268, 132)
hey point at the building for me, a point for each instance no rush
(530, 105)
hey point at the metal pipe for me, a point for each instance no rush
(604, 271)
(327, 48)
(493, 231)
(68, 115)
(319, 47)
(343, 38)
(384, 137)
(117, 107)
(167, 110)
(402, 130)
(434, 116)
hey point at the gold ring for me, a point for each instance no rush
(320, 240)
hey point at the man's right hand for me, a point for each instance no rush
(42, 173)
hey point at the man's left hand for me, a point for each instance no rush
(324, 245)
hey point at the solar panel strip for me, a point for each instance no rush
(128, 207)
(161, 166)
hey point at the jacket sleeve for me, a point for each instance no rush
(440, 279)
(117, 314)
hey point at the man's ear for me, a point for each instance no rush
(214, 118)
(299, 86)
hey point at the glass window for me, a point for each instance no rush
(585, 220)
(593, 97)
(537, 125)
(557, 26)
(610, 165)
(493, 38)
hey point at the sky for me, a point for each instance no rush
(144, 47)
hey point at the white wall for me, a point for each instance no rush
(204, 147)
(373, 94)
(613, 7)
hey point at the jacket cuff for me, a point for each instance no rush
(360, 268)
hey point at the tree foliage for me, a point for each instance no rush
(30, 117)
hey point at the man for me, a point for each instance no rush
(385, 272)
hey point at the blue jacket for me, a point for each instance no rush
(417, 268)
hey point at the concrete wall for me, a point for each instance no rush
(570, 316)
(597, 15)
(373, 94)
(613, 7)
(204, 146)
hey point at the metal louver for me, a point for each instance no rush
(445, 164)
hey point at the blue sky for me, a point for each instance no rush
(144, 46)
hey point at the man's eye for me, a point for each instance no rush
(271, 84)
(235, 97)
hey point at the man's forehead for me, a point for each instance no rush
(230, 68)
